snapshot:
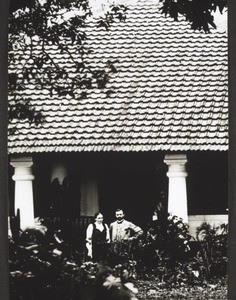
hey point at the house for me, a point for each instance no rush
(156, 133)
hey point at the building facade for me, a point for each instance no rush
(157, 132)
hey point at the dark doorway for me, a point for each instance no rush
(133, 185)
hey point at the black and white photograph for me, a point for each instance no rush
(118, 149)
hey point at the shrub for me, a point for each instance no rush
(43, 266)
(212, 254)
(161, 250)
(167, 252)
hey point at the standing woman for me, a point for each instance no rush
(97, 237)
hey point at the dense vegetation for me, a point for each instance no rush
(165, 261)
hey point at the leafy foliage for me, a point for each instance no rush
(35, 27)
(197, 12)
(168, 253)
(23, 110)
(212, 254)
(164, 247)
(43, 265)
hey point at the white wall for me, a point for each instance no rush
(195, 221)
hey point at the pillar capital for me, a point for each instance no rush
(176, 165)
(175, 159)
(25, 161)
(22, 166)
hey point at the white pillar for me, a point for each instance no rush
(24, 201)
(177, 192)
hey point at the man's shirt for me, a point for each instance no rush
(124, 230)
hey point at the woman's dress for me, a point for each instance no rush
(99, 242)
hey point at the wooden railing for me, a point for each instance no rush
(74, 229)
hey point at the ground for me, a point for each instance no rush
(150, 290)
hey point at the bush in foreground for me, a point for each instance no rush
(43, 265)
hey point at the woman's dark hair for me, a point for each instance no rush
(96, 214)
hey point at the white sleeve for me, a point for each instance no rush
(108, 234)
(89, 233)
(136, 229)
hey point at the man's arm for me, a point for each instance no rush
(135, 229)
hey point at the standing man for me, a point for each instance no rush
(123, 230)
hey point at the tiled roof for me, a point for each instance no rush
(170, 92)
